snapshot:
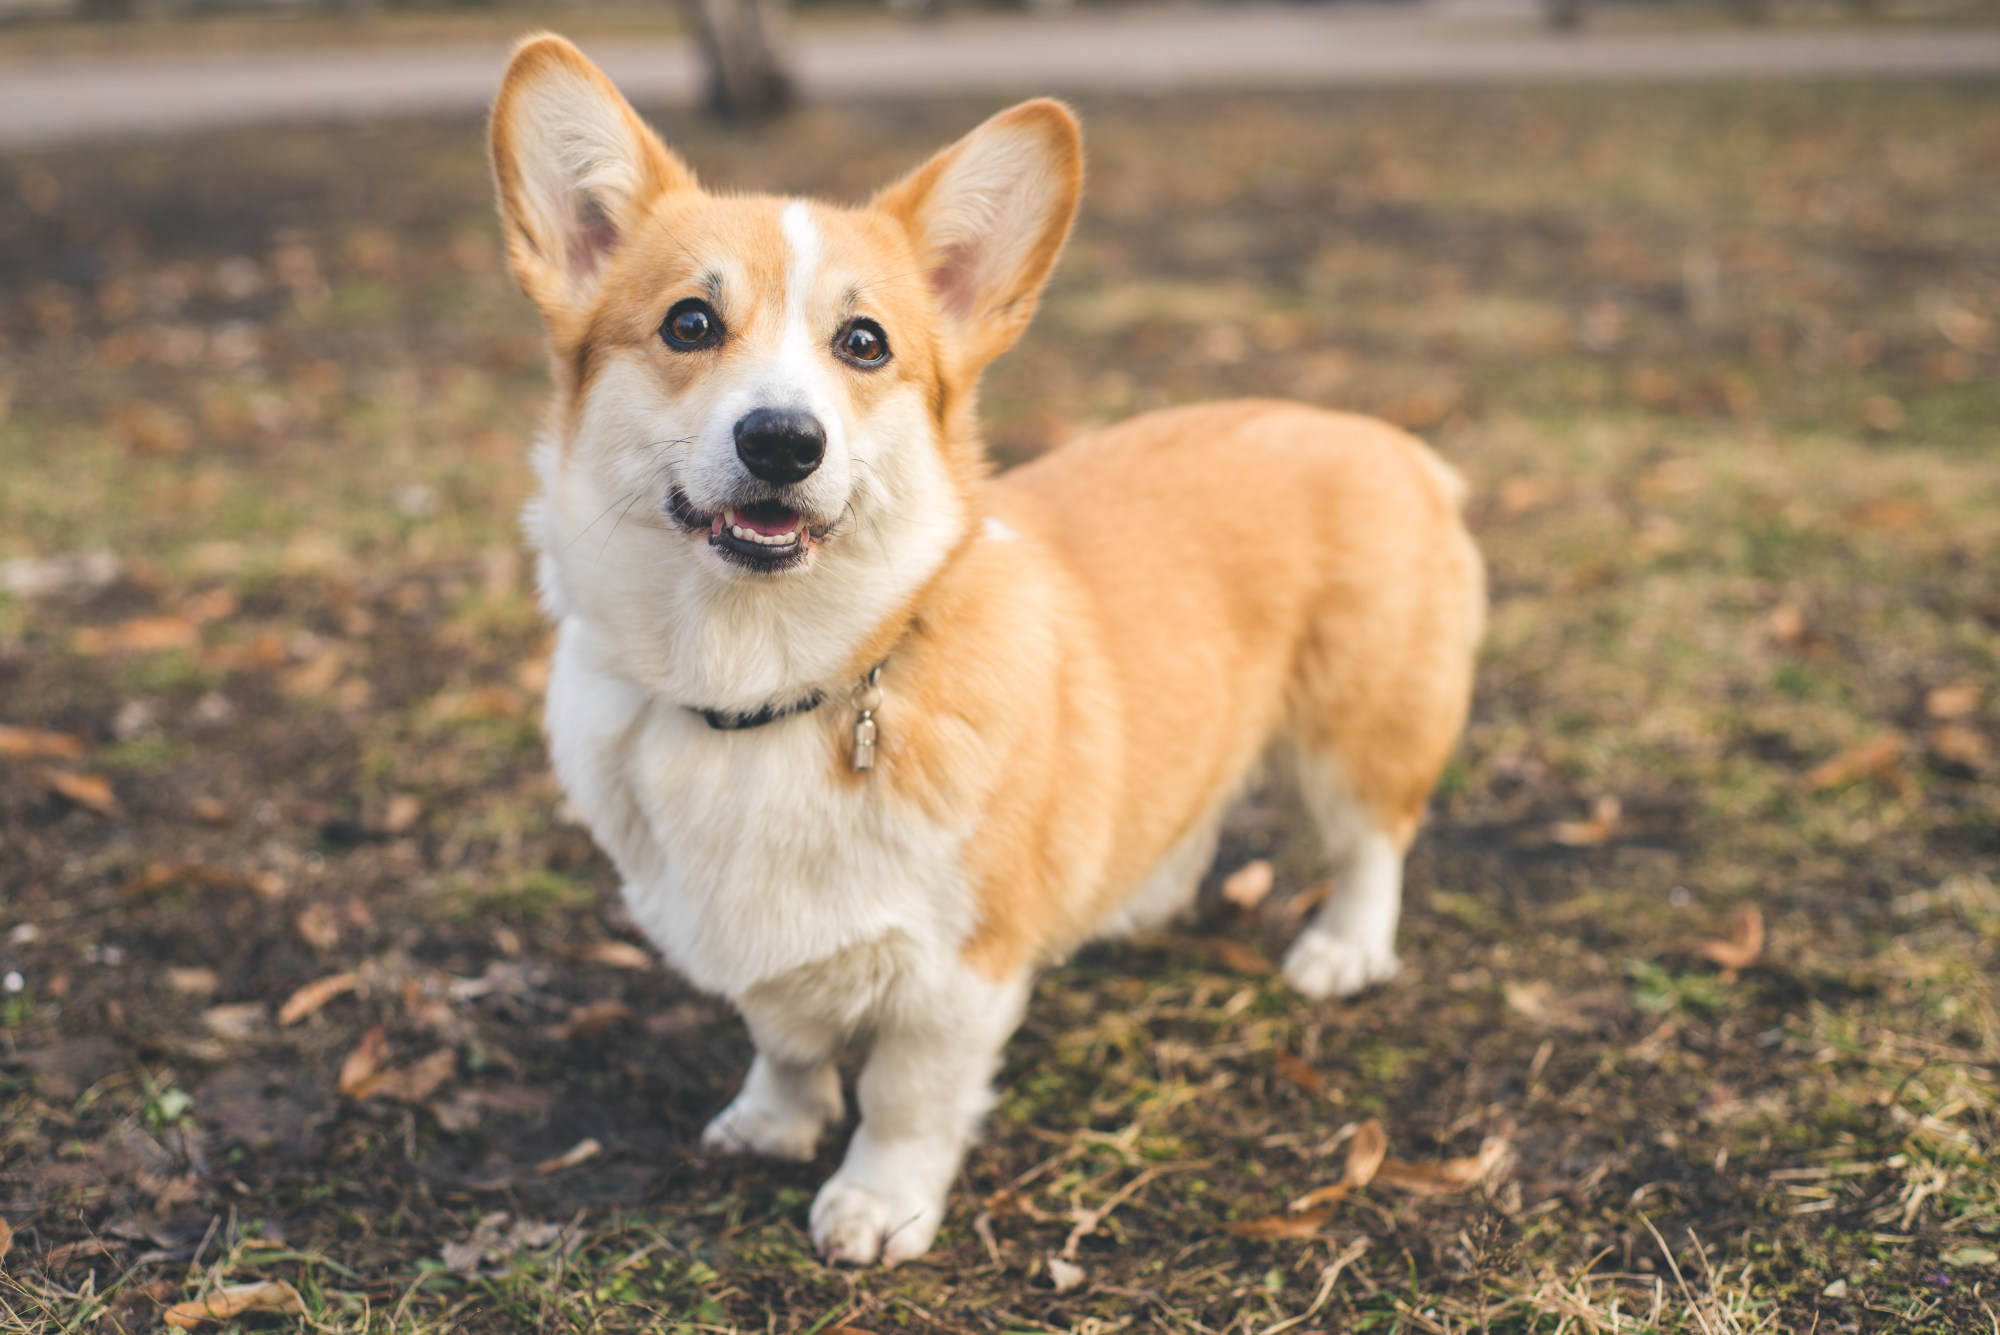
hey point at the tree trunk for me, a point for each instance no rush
(743, 43)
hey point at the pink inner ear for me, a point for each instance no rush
(956, 281)
(591, 237)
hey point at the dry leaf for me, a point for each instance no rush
(1957, 744)
(582, 1152)
(199, 875)
(315, 677)
(1603, 823)
(37, 744)
(196, 982)
(233, 1300)
(239, 1021)
(401, 813)
(1248, 884)
(1745, 943)
(1943, 702)
(358, 1074)
(6, 1239)
(210, 606)
(617, 954)
(1065, 1275)
(1788, 624)
(1300, 1074)
(1521, 495)
(417, 1082)
(1306, 1214)
(1876, 756)
(1219, 953)
(590, 1021)
(86, 790)
(212, 811)
(141, 635)
(1302, 1224)
(1437, 1179)
(318, 927)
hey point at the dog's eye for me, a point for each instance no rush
(691, 324)
(864, 343)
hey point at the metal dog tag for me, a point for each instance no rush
(867, 699)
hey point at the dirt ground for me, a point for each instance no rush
(1701, 940)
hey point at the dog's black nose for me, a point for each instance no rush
(780, 445)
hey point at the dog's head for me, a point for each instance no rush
(764, 404)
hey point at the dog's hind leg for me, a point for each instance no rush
(1351, 941)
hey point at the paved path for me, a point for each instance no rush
(60, 100)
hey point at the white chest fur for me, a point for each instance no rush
(744, 858)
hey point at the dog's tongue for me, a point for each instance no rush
(767, 517)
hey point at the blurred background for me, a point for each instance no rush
(308, 978)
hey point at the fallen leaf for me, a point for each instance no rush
(1942, 702)
(1957, 744)
(1304, 902)
(315, 677)
(582, 1152)
(314, 995)
(1300, 1224)
(37, 744)
(211, 605)
(6, 1239)
(1248, 884)
(1788, 624)
(1877, 756)
(401, 813)
(141, 635)
(591, 1021)
(1602, 825)
(1745, 943)
(1306, 1215)
(151, 430)
(1219, 952)
(318, 927)
(86, 790)
(195, 982)
(360, 1071)
(617, 954)
(1879, 412)
(1298, 1073)
(1438, 1179)
(1065, 1275)
(233, 1300)
(414, 1083)
(1521, 495)
(212, 811)
(198, 875)
(240, 1021)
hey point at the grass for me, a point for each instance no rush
(1720, 364)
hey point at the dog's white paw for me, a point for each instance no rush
(752, 1125)
(1322, 965)
(852, 1225)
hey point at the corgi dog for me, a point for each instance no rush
(871, 733)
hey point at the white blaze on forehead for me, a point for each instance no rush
(802, 237)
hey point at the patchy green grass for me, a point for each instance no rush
(1723, 367)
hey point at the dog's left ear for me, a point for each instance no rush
(576, 169)
(988, 217)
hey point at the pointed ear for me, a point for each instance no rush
(988, 217)
(575, 167)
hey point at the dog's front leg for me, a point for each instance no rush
(922, 1094)
(790, 1095)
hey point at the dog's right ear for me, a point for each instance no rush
(576, 169)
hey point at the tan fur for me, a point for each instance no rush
(1086, 661)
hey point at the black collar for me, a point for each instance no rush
(723, 720)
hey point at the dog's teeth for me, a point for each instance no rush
(739, 530)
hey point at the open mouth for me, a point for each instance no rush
(766, 535)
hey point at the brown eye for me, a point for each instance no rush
(691, 324)
(864, 343)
